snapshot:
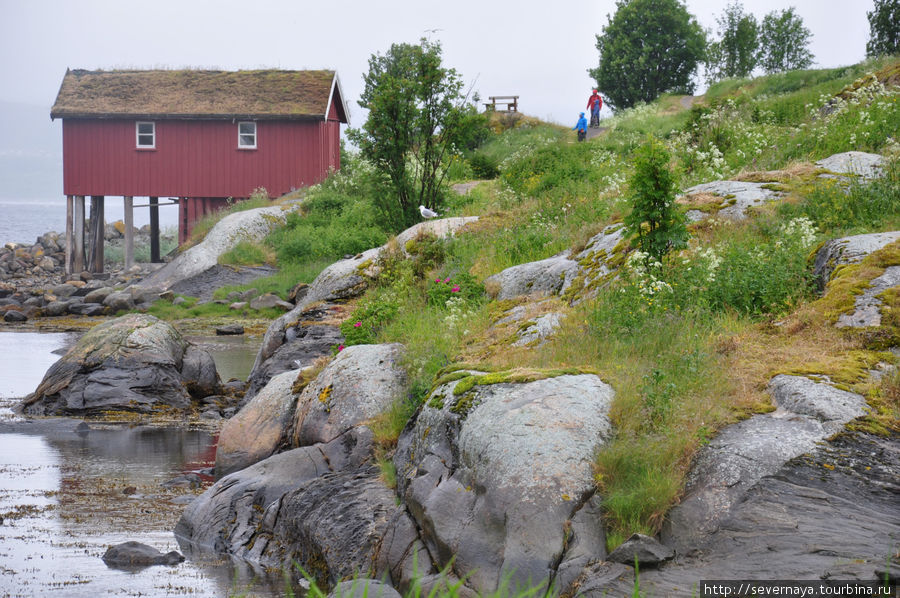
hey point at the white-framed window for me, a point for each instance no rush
(145, 133)
(246, 135)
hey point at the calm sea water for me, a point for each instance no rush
(63, 498)
(24, 220)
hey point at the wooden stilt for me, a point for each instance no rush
(70, 240)
(129, 232)
(154, 230)
(183, 228)
(78, 234)
(98, 225)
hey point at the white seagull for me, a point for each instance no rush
(426, 213)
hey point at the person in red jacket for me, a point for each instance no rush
(595, 103)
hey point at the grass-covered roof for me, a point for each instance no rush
(261, 94)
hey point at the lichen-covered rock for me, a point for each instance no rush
(259, 428)
(306, 336)
(551, 276)
(860, 164)
(132, 363)
(495, 476)
(848, 250)
(539, 330)
(360, 383)
(443, 228)
(340, 281)
(830, 513)
(743, 453)
(737, 196)
(598, 261)
(820, 401)
(867, 306)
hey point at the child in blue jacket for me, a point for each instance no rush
(581, 125)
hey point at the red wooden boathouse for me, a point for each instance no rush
(201, 137)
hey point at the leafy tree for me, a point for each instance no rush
(736, 53)
(647, 48)
(884, 28)
(654, 223)
(416, 114)
(785, 42)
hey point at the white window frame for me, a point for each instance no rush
(255, 133)
(138, 134)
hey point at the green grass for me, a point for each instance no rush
(842, 208)
(192, 308)
(247, 253)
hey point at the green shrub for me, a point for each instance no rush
(654, 223)
(333, 226)
(369, 317)
(484, 166)
(462, 286)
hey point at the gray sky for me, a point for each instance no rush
(538, 50)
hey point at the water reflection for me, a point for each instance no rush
(234, 355)
(66, 494)
(26, 356)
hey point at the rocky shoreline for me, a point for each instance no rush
(33, 282)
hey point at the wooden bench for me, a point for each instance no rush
(511, 102)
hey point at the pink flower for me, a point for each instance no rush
(446, 280)
(438, 279)
(340, 348)
(357, 325)
(455, 289)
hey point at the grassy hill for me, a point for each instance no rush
(688, 347)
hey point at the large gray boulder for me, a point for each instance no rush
(744, 453)
(322, 507)
(132, 363)
(828, 514)
(848, 250)
(551, 276)
(248, 225)
(259, 428)
(441, 229)
(227, 515)
(737, 196)
(360, 383)
(498, 477)
(861, 164)
(305, 336)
